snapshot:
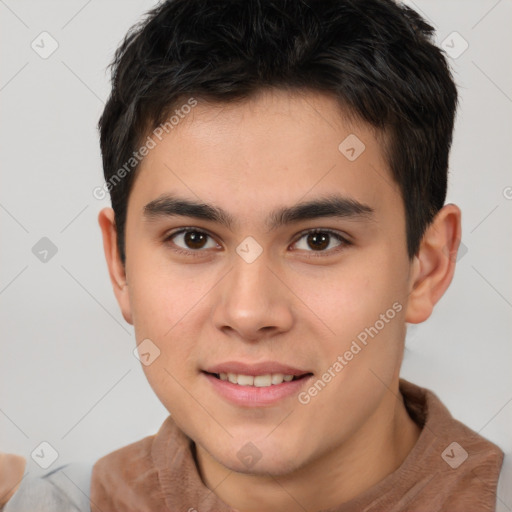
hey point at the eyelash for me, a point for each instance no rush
(313, 254)
(184, 252)
(344, 243)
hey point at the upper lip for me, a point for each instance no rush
(255, 369)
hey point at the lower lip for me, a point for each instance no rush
(252, 396)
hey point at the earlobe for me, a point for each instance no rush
(434, 265)
(116, 268)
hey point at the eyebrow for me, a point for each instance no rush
(331, 206)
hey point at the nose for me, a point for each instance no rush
(252, 302)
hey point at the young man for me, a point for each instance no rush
(278, 174)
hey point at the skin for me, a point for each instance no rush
(294, 304)
(12, 468)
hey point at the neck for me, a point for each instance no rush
(357, 464)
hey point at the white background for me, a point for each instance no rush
(67, 372)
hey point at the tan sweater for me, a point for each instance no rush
(450, 469)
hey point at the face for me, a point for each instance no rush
(263, 242)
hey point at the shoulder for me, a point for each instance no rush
(504, 491)
(126, 479)
(64, 489)
(129, 478)
(134, 459)
(463, 466)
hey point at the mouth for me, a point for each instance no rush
(256, 385)
(258, 381)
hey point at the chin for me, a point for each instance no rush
(262, 461)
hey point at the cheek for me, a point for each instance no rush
(161, 306)
(171, 307)
(161, 295)
(361, 309)
(166, 315)
(349, 298)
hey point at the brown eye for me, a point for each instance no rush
(318, 241)
(193, 240)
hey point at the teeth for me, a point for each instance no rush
(259, 381)
(277, 378)
(245, 380)
(262, 381)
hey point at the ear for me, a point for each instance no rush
(434, 265)
(116, 268)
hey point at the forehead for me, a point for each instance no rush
(274, 149)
